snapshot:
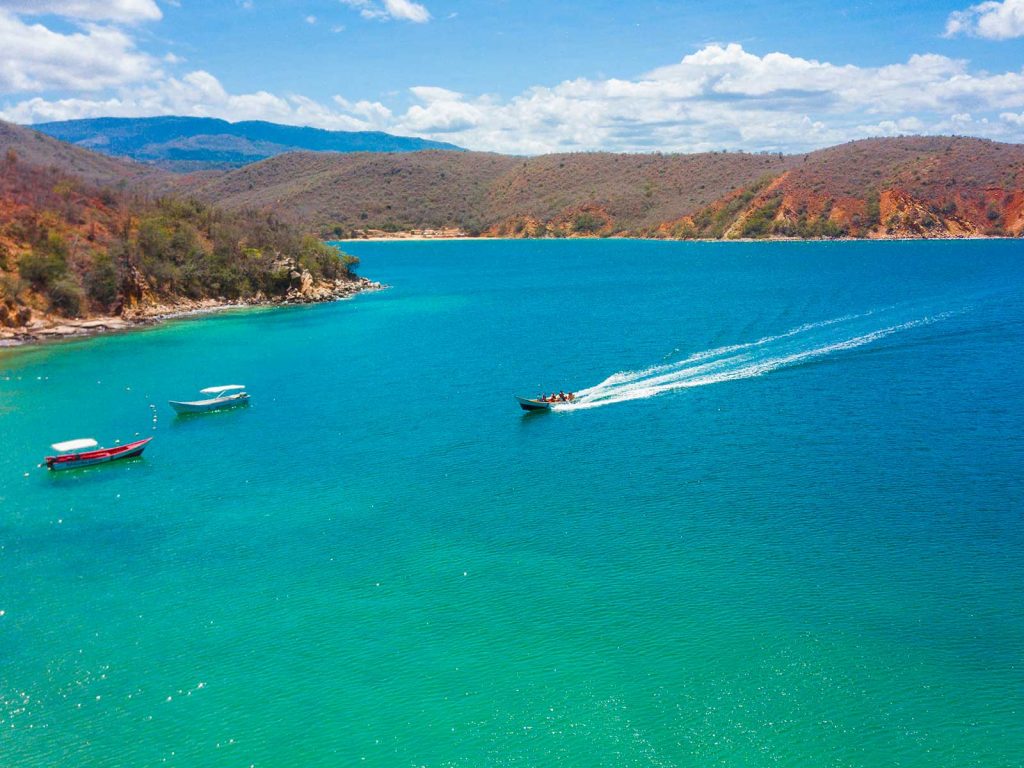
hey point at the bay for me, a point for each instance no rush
(783, 525)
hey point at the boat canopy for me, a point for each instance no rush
(75, 445)
(218, 390)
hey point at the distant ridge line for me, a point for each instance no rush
(184, 144)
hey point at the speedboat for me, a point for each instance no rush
(531, 404)
(225, 396)
(545, 402)
(72, 454)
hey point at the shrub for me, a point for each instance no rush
(687, 231)
(760, 223)
(102, 280)
(11, 287)
(587, 222)
(66, 296)
(42, 269)
(325, 261)
(873, 213)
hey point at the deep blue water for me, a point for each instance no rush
(783, 526)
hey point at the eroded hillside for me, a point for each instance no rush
(895, 187)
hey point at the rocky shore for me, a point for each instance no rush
(151, 312)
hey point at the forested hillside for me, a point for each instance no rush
(74, 245)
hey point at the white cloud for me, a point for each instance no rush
(385, 10)
(34, 58)
(405, 9)
(719, 97)
(88, 10)
(725, 97)
(441, 111)
(373, 114)
(197, 94)
(310, 19)
(991, 19)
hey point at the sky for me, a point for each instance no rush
(531, 76)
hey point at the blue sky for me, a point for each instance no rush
(527, 76)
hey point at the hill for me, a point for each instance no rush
(876, 188)
(891, 187)
(484, 193)
(36, 149)
(76, 245)
(198, 143)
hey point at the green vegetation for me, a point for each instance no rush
(714, 220)
(586, 222)
(66, 296)
(71, 249)
(761, 223)
(102, 281)
(42, 269)
(184, 247)
(873, 211)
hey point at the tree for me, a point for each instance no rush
(66, 296)
(102, 281)
(42, 269)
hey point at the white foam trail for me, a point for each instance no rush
(627, 377)
(737, 361)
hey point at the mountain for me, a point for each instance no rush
(198, 143)
(875, 188)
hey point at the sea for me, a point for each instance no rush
(782, 523)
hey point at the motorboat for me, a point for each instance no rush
(225, 396)
(532, 404)
(545, 402)
(73, 454)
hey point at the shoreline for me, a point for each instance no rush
(63, 329)
(484, 238)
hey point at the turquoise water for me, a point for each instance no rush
(784, 526)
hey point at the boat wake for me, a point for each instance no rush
(743, 361)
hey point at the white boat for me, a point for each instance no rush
(225, 396)
(533, 404)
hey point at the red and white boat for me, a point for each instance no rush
(72, 454)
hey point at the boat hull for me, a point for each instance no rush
(207, 406)
(529, 404)
(100, 456)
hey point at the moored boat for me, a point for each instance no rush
(220, 400)
(72, 454)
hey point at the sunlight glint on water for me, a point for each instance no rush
(805, 550)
